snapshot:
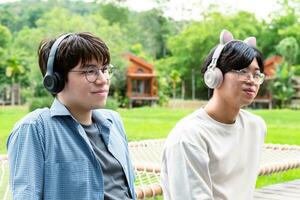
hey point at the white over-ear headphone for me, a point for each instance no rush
(213, 77)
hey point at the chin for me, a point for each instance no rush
(246, 103)
(99, 105)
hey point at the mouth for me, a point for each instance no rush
(100, 92)
(250, 92)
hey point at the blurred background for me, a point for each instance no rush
(157, 48)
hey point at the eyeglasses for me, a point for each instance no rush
(258, 77)
(92, 72)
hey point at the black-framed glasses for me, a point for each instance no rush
(258, 77)
(92, 72)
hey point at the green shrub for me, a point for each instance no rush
(297, 70)
(40, 102)
(111, 103)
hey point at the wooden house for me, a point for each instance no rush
(264, 95)
(142, 85)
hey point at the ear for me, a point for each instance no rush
(251, 41)
(225, 37)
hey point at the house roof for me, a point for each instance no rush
(270, 65)
(133, 58)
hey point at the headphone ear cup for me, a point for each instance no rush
(53, 83)
(213, 77)
(60, 83)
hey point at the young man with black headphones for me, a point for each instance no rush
(214, 153)
(74, 150)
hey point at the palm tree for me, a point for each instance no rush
(13, 69)
(175, 78)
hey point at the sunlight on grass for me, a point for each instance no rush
(278, 178)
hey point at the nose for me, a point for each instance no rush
(250, 78)
(101, 79)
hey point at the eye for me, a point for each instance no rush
(243, 72)
(104, 69)
(91, 71)
(257, 74)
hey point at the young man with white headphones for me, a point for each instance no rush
(73, 150)
(214, 153)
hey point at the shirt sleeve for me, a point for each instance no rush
(26, 163)
(185, 172)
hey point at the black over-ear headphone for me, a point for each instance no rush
(53, 81)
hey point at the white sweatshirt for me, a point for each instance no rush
(205, 159)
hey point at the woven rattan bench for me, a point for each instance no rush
(146, 157)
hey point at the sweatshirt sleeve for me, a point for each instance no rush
(185, 172)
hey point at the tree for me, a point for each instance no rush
(14, 68)
(282, 86)
(189, 48)
(175, 78)
(289, 49)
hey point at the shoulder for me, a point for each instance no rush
(34, 118)
(30, 126)
(251, 117)
(189, 129)
(108, 114)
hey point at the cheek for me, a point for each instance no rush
(77, 85)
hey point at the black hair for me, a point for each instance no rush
(236, 55)
(77, 48)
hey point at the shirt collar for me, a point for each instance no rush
(59, 109)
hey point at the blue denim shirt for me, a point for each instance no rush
(50, 155)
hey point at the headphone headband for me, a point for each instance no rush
(52, 53)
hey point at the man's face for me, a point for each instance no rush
(81, 94)
(239, 88)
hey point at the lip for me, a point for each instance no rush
(249, 92)
(100, 92)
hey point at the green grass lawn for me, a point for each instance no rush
(9, 115)
(148, 123)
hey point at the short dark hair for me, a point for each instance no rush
(235, 55)
(81, 47)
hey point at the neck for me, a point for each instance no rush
(221, 111)
(82, 115)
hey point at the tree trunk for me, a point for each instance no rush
(19, 93)
(174, 90)
(182, 90)
(12, 98)
(193, 84)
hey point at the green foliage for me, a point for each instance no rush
(114, 14)
(179, 45)
(190, 48)
(282, 87)
(111, 103)
(164, 91)
(175, 78)
(40, 90)
(5, 36)
(296, 69)
(40, 102)
(137, 49)
(289, 49)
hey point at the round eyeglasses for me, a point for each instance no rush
(92, 72)
(257, 77)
